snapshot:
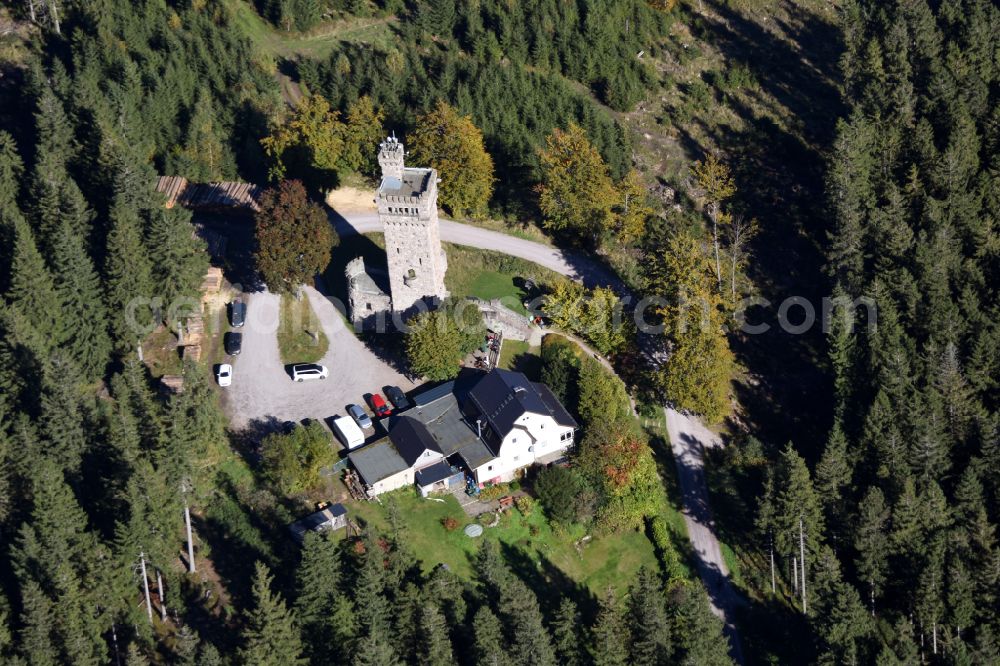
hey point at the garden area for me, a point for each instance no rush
(561, 556)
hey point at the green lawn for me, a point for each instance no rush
(604, 561)
(296, 331)
(519, 355)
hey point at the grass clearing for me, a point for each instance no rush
(529, 543)
(317, 43)
(300, 336)
(520, 356)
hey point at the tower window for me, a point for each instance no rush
(397, 250)
(421, 260)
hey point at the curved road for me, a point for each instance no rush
(688, 436)
(566, 262)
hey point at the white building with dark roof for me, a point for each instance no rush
(488, 429)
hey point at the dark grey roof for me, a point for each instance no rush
(411, 439)
(326, 518)
(439, 411)
(376, 461)
(556, 408)
(439, 471)
(501, 398)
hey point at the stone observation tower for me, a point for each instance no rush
(407, 208)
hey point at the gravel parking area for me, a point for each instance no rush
(262, 389)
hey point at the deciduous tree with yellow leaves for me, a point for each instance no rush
(697, 373)
(449, 142)
(576, 194)
(315, 139)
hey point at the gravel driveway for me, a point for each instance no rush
(262, 388)
(688, 439)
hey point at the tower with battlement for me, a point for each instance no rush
(407, 208)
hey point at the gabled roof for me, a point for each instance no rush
(376, 461)
(411, 439)
(556, 408)
(503, 396)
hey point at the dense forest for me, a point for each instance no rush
(878, 545)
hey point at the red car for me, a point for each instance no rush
(379, 407)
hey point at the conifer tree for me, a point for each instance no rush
(698, 631)
(647, 619)
(178, 256)
(79, 289)
(374, 650)
(531, 643)
(435, 644)
(318, 582)
(872, 542)
(270, 637)
(128, 277)
(610, 634)
(32, 289)
(37, 620)
(566, 634)
(489, 642)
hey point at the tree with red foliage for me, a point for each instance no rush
(294, 237)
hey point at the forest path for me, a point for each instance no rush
(688, 439)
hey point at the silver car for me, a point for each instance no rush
(360, 417)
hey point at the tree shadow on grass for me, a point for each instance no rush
(549, 583)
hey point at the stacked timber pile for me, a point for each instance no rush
(194, 330)
(209, 196)
(171, 384)
(192, 353)
(212, 282)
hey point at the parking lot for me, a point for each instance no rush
(263, 391)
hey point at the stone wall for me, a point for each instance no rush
(365, 299)
(498, 317)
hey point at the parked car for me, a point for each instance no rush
(397, 398)
(304, 371)
(348, 432)
(233, 342)
(359, 415)
(379, 407)
(237, 313)
(224, 375)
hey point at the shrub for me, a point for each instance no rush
(450, 524)
(494, 492)
(563, 492)
(525, 505)
(665, 551)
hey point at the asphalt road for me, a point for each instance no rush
(688, 440)
(566, 262)
(262, 389)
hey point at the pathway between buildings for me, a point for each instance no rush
(688, 436)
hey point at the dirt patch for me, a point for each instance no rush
(351, 199)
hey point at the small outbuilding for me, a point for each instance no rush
(330, 517)
(438, 477)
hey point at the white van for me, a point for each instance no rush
(348, 432)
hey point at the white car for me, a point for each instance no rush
(304, 371)
(224, 375)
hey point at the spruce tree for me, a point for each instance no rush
(37, 620)
(435, 644)
(567, 636)
(318, 579)
(32, 289)
(610, 634)
(128, 278)
(79, 290)
(648, 621)
(531, 643)
(871, 540)
(374, 650)
(178, 256)
(270, 637)
(489, 641)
